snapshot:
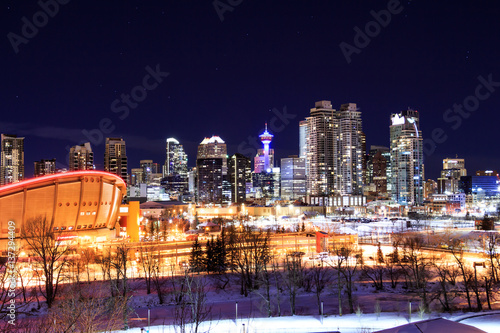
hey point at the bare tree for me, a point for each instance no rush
(48, 254)
(466, 273)
(492, 242)
(417, 267)
(445, 293)
(157, 278)
(119, 261)
(9, 290)
(321, 275)
(265, 281)
(192, 309)
(349, 260)
(293, 276)
(277, 282)
(148, 263)
(250, 252)
(88, 257)
(88, 310)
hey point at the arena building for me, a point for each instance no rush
(80, 204)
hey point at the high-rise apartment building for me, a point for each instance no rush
(378, 169)
(115, 157)
(351, 139)
(321, 147)
(406, 158)
(11, 159)
(240, 174)
(81, 157)
(334, 150)
(293, 178)
(45, 167)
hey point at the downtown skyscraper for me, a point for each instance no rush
(350, 152)
(407, 178)
(211, 166)
(176, 161)
(332, 142)
(240, 174)
(115, 157)
(45, 167)
(81, 157)
(11, 159)
(320, 149)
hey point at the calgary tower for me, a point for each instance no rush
(266, 139)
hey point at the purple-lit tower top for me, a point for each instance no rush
(266, 139)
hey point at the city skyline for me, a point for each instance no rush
(219, 72)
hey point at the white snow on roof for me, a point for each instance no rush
(213, 139)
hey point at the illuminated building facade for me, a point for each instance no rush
(264, 160)
(175, 170)
(267, 184)
(176, 159)
(480, 187)
(334, 150)
(151, 173)
(455, 164)
(430, 188)
(81, 157)
(303, 138)
(321, 148)
(115, 157)
(11, 159)
(453, 169)
(45, 167)
(80, 202)
(213, 147)
(293, 178)
(209, 180)
(350, 152)
(240, 174)
(406, 158)
(136, 176)
(378, 169)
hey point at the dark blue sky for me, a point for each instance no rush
(226, 77)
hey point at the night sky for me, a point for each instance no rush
(228, 77)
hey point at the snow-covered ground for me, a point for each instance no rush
(346, 323)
